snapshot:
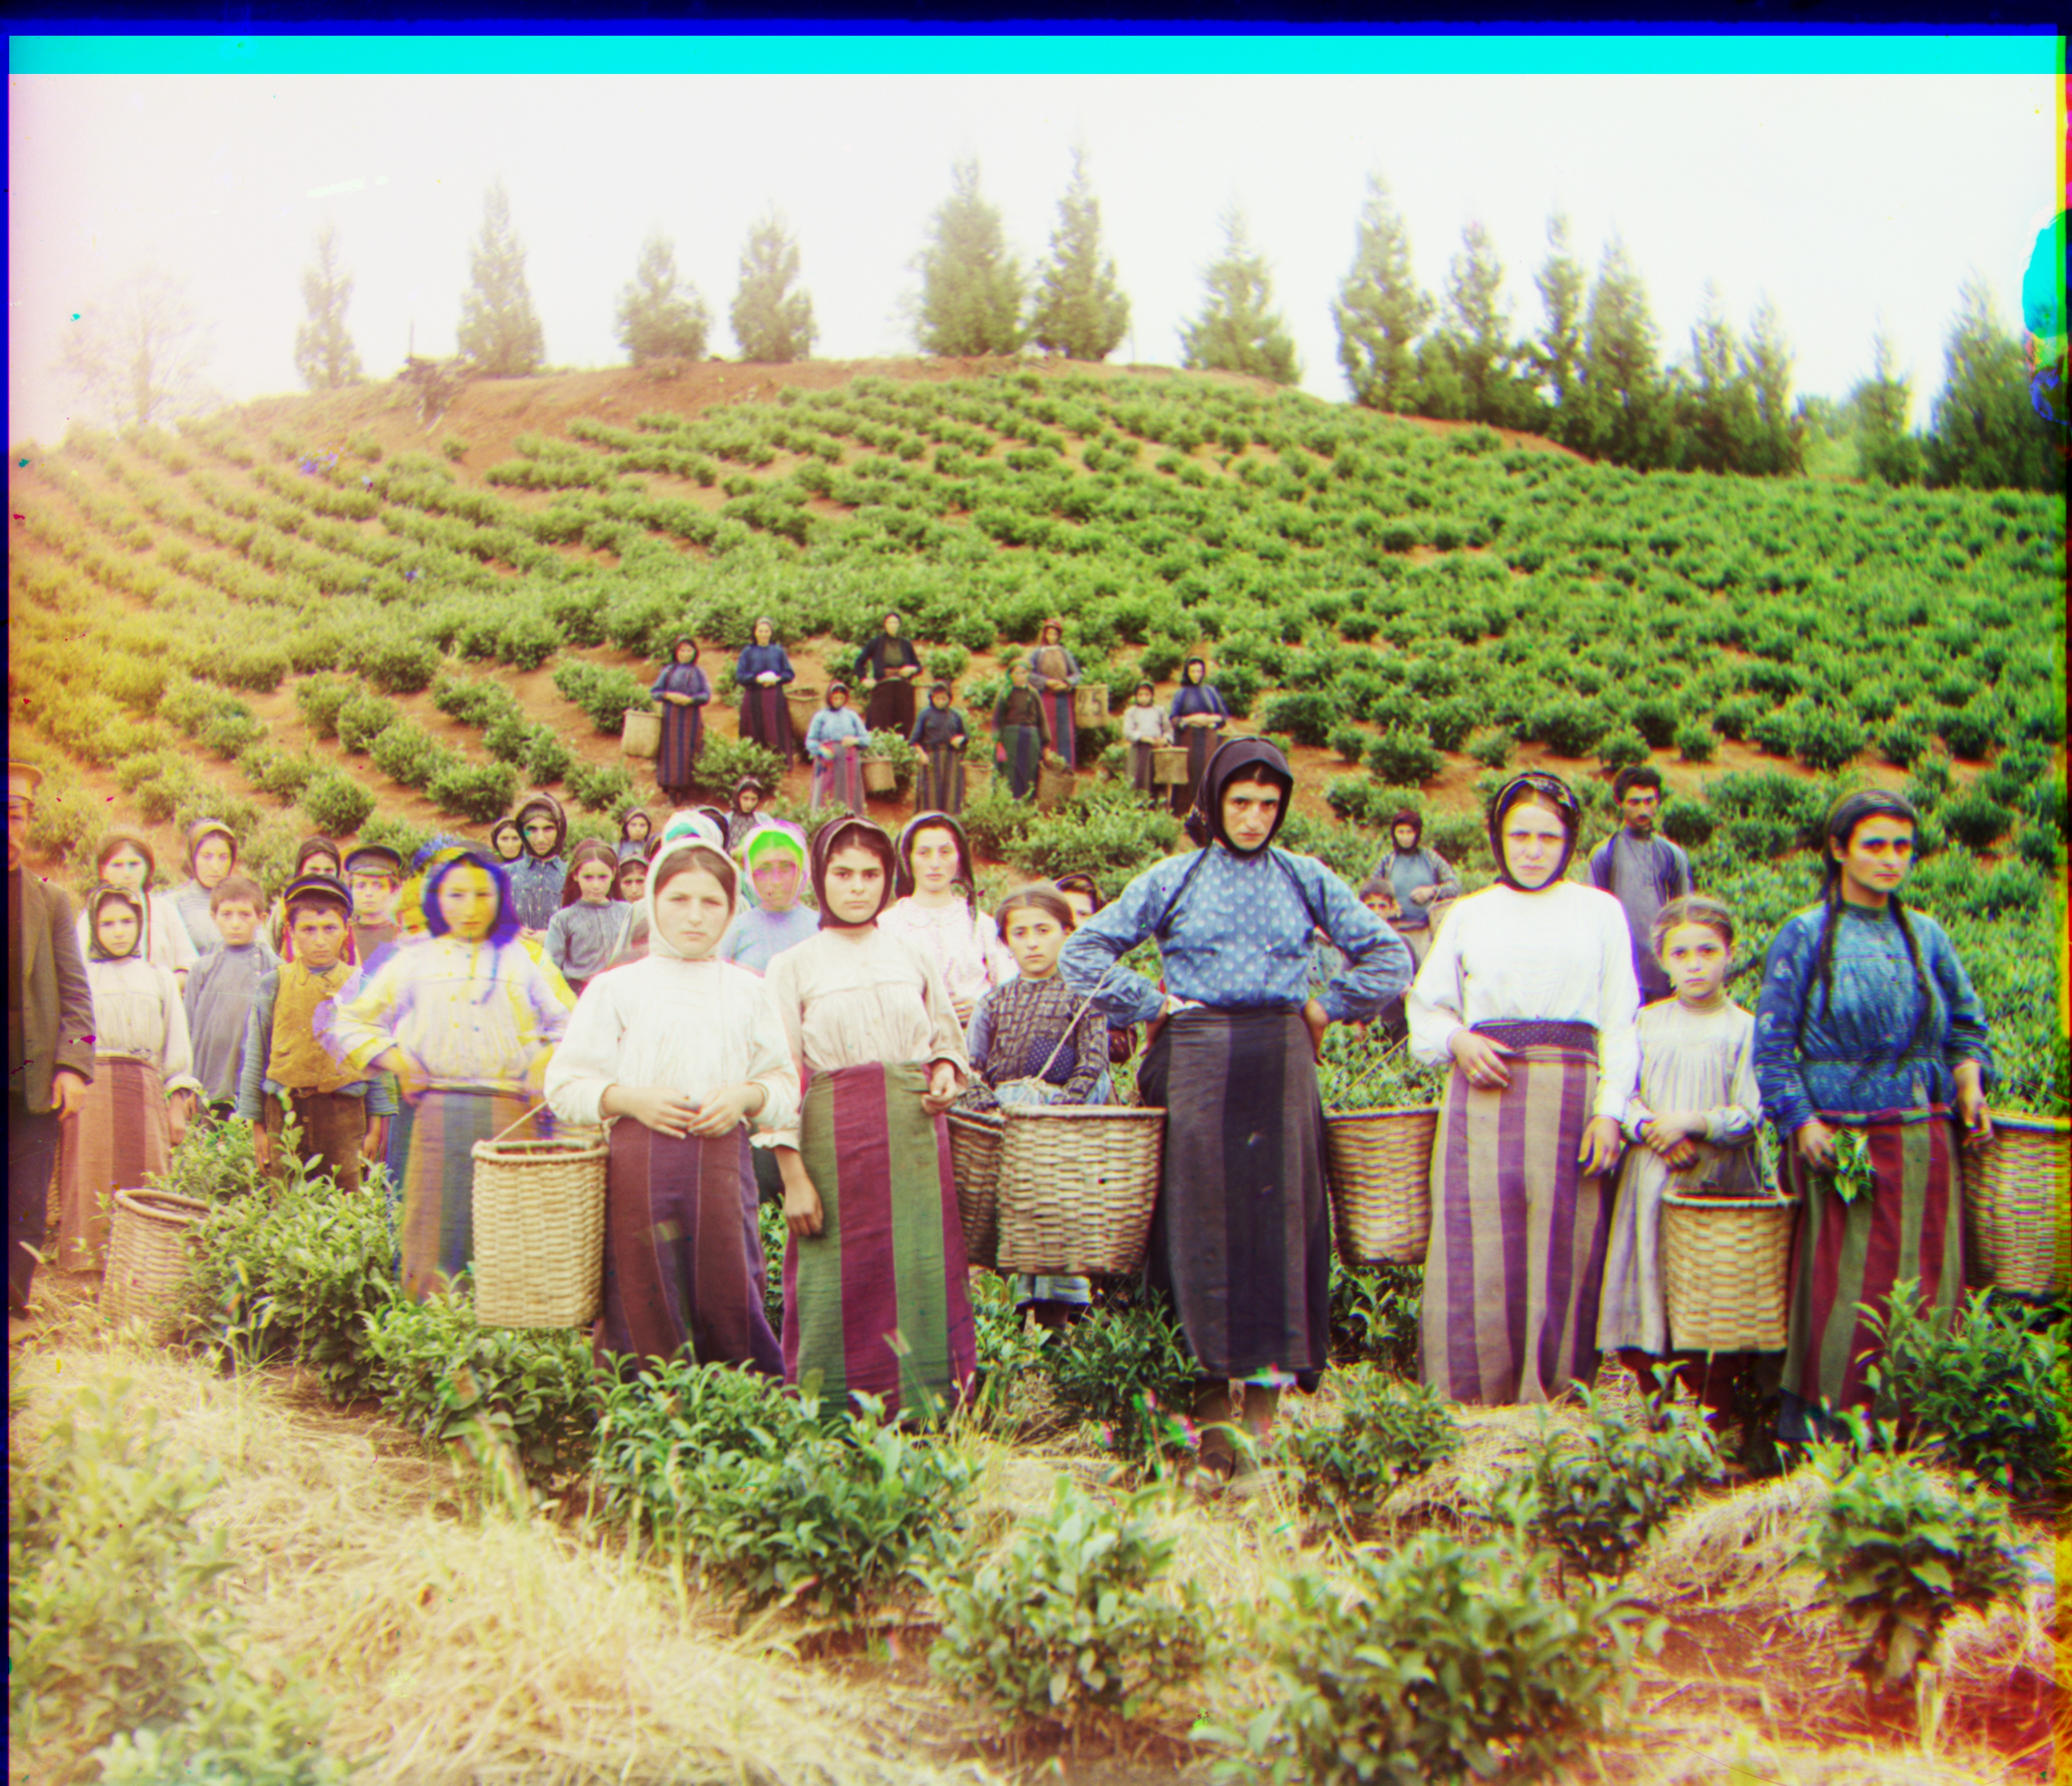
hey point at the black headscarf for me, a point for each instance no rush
(849, 834)
(1414, 820)
(902, 881)
(545, 804)
(1534, 783)
(1249, 759)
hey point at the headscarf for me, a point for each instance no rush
(1537, 784)
(628, 865)
(773, 836)
(589, 850)
(714, 816)
(116, 842)
(1415, 821)
(762, 620)
(104, 895)
(1236, 759)
(693, 822)
(902, 885)
(681, 678)
(312, 847)
(687, 849)
(849, 833)
(745, 783)
(510, 824)
(626, 825)
(835, 688)
(1187, 681)
(200, 831)
(1080, 884)
(1050, 659)
(547, 803)
(444, 862)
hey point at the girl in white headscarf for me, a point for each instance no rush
(678, 1052)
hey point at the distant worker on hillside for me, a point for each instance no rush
(835, 741)
(1642, 871)
(1021, 730)
(939, 735)
(1054, 673)
(890, 664)
(683, 690)
(1199, 717)
(1422, 880)
(763, 670)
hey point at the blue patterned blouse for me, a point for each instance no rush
(1852, 1059)
(1240, 937)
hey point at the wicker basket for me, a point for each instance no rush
(1378, 1164)
(1078, 1182)
(976, 1138)
(2014, 1201)
(539, 1232)
(147, 1255)
(879, 776)
(1090, 704)
(1726, 1262)
(805, 701)
(1054, 786)
(1169, 766)
(641, 735)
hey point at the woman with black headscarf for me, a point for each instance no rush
(1199, 717)
(1422, 880)
(763, 669)
(1240, 1241)
(683, 690)
(1528, 992)
(874, 1297)
(1868, 1026)
(890, 664)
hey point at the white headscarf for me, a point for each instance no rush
(690, 845)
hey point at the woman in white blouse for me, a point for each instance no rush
(1529, 993)
(678, 1052)
(937, 911)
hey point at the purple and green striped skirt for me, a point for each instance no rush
(1909, 1224)
(683, 1260)
(838, 779)
(765, 719)
(431, 1160)
(1517, 1251)
(875, 1303)
(1241, 1238)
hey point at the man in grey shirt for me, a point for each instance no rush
(1642, 871)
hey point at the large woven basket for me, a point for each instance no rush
(1078, 1182)
(1379, 1166)
(805, 701)
(879, 776)
(2014, 1201)
(975, 1140)
(1054, 786)
(539, 1232)
(1168, 765)
(641, 735)
(1726, 1262)
(1090, 704)
(147, 1255)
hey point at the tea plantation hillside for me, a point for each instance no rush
(322, 603)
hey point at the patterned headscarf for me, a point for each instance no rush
(1238, 759)
(851, 833)
(108, 894)
(201, 830)
(773, 836)
(1536, 785)
(548, 805)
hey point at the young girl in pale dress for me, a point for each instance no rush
(937, 911)
(1693, 1120)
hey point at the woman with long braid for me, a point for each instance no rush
(1867, 1022)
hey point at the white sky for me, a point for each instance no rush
(1853, 202)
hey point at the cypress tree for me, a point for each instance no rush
(1775, 442)
(325, 357)
(970, 286)
(660, 315)
(772, 323)
(1558, 353)
(1379, 310)
(1882, 405)
(1985, 433)
(1081, 311)
(497, 328)
(1470, 371)
(1624, 411)
(1237, 330)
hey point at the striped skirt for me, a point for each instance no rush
(683, 1260)
(939, 785)
(838, 779)
(431, 1162)
(1910, 1224)
(683, 737)
(875, 1302)
(120, 1132)
(1201, 742)
(1518, 1234)
(1241, 1238)
(1020, 753)
(1064, 728)
(765, 719)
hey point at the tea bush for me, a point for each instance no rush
(1988, 1386)
(362, 719)
(604, 694)
(1595, 1497)
(1975, 820)
(1444, 1661)
(1492, 750)
(724, 762)
(598, 786)
(1388, 1431)
(120, 1640)
(400, 664)
(1404, 757)
(1071, 1624)
(497, 1392)
(478, 791)
(1622, 749)
(1695, 743)
(1377, 1315)
(321, 700)
(1901, 1550)
(336, 805)
(1129, 1370)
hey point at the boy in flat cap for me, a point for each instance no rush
(374, 872)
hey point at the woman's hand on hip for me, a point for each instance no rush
(1599, 1150)
(1317, 1020)
(1480, 1059)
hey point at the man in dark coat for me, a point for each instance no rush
(50, 1040)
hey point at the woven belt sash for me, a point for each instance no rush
(1535, 1034)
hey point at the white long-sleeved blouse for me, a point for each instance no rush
(139, 1014)
(694, 1026)
(1561, 956)
(167, 941)
(967, 948)
(476, 1015)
